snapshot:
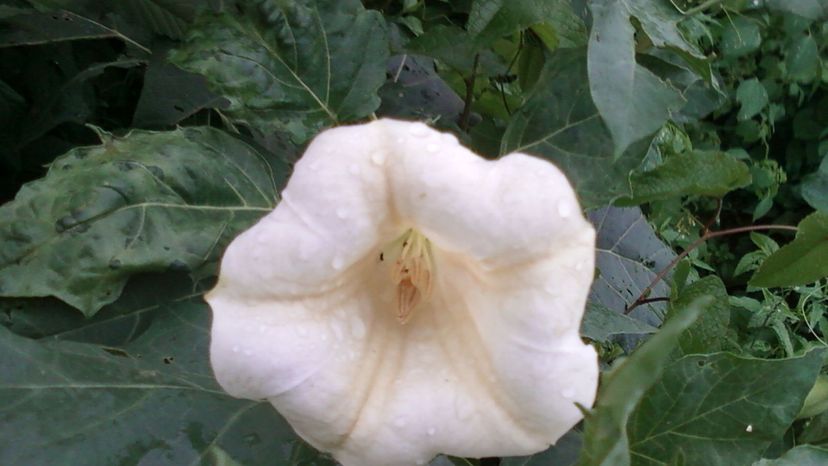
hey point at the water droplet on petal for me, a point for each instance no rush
(236, 349)
(262, 329)
(432, 148)
(378, 158)
(568, 393)
(338, 262)
(247, 352)
(564, 209)
(342, 212)
(400, 422)
(314, 165)
(431, 431)
(302, 331)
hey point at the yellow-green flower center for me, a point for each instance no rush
(412, 272)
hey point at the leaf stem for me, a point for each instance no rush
(469, 81)
(642, 298)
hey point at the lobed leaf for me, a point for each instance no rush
(146, 202)
(291, 66)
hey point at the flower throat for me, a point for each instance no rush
(411, 272)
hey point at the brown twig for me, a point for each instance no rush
(708, 235)
(469, 81)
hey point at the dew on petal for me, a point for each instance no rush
(432, 148)
(342, 212)
(568, 393)
(236, 348)
(378, 158)
(431, 431)
(314, 166)
(338, 262)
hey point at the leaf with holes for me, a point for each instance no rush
(629, 254)
(150, 401)
(291, 66)
(145, 202)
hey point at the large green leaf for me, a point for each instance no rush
(144, 202)
(292, 66)
(700, 173)
(559, 122)
(719, 409)
(605, 429)
(804, 455)
(42, 28)
(801, 261)
(150, 401)
(632, 100)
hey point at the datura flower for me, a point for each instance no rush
(408, 298)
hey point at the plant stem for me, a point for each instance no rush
(469, 81)
(642, 298)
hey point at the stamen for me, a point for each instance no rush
(412, 274)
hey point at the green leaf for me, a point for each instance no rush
(296, 67)
(601, 322)
(803, 455)
(752, 97)
(145, 202)
(800, 262)
(699, 173)
(560, 122)
(810, 9)
(707, 334)
(492, 19)
(151, 401)
(815, 187)
(605, 428)
(719, 409)
(632, 100)
(628, 255)
(740, 37)
(802, 61)
(170, 95)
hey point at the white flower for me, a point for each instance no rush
(408, 298)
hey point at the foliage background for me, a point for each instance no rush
(140, 136)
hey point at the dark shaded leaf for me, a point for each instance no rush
(707, 334)
(170, 95)
(492, 19)
(43, 28)
(815, 187)
(152, 401)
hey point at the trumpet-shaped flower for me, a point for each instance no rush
(408, 298)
